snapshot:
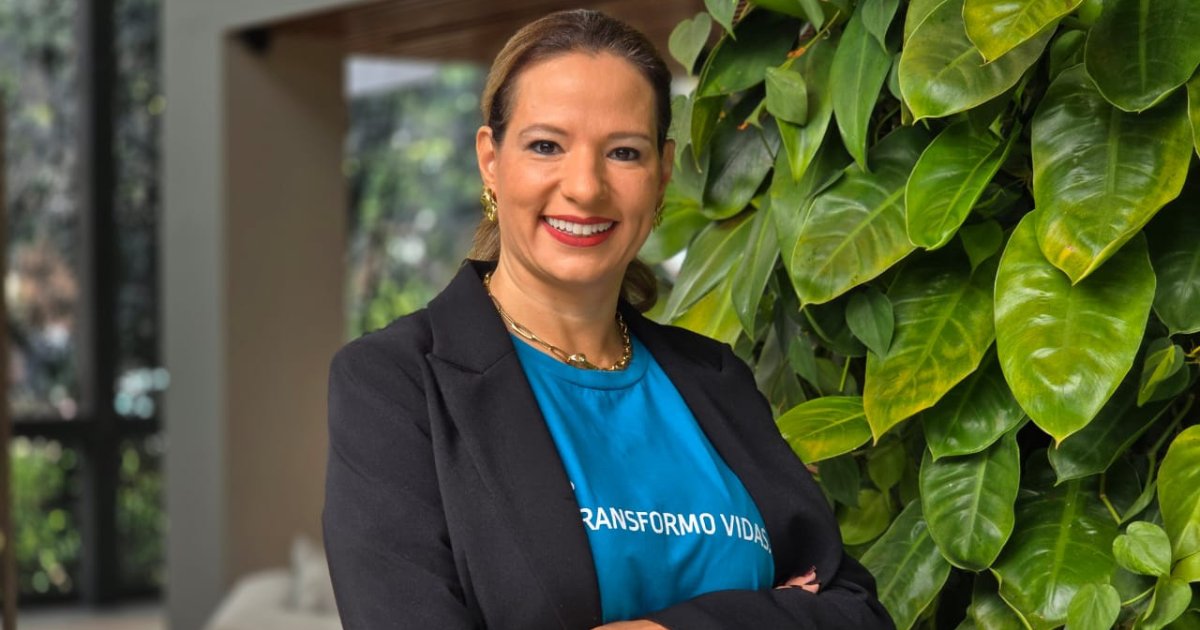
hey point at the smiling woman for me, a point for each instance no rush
(530, 451)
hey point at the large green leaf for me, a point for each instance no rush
(681, 220)
(1062, 541)
(705, 113)
(998, 26)
(713, 253)
(988, 610)
(841, 477)
(749, 279)
(712, 315)
(689, 177)
(1066, 51)
(1193, 95)
(981, 240)
(790, 200)
(973, 415)
(801, 142)
(916, 13)
(1173, 235)
(825, 427)
(1094, 606)
(741, 158)
(878, 16)
(1171, 599)
(722, 12)
(855, 228)
(1065, 348)
(1140, 50)
(787, 95)
(968, 502)
(1179, 493)
(1189, 620)
(886, 464)
(763, 40)
(944, 324)
(1188, 569)
(861, 66)
(870, 317)
(1144, 548)
(1094, 448)
(827, 322)
(1163, 361)
(862, 524)
(688, 39)
(909, 572)
(948, 180)
(1100, 174)
(942, 73)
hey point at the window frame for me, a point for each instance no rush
(97, 431)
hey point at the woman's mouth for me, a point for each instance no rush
(585, 233)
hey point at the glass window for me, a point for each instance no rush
(138, 108)
(141, 523)
(38, 80)
(45, 490)
(413, 181)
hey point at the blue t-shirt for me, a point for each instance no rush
(667, 520)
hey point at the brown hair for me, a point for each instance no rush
(557, 34)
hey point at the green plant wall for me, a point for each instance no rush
(959, 241)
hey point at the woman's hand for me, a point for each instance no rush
(636, 624)
(808, 581)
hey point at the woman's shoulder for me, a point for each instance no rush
(396, 349)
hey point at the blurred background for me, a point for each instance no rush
(204, 199)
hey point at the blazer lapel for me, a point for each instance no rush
(493, 406)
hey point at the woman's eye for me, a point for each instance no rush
(626, 154)
(545, 147)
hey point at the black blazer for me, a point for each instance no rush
(447, 506)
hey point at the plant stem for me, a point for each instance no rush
(803, 47)
(845, 372)
(1104, 498)
(1137, 598)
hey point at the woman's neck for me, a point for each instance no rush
(575, 320)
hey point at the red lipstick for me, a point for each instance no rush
(573, 240)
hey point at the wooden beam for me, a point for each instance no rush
(469, 30)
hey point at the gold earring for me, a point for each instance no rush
(488, 200)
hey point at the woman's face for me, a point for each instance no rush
(578, 176)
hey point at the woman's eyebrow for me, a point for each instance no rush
(629, 135)
(543, 128)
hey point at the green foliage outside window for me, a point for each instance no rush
(414, 192)
(958, 241)
(40, 86)
(45, 533)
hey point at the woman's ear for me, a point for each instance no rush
(485, 155)
(667, 166)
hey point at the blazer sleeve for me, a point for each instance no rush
(846, 600)
(384, 527)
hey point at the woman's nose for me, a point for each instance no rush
(583, 177)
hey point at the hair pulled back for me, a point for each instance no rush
(579, 30)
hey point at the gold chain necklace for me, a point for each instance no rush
(575, 360)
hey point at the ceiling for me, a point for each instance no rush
(469, 30)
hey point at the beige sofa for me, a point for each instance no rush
(295, 598)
